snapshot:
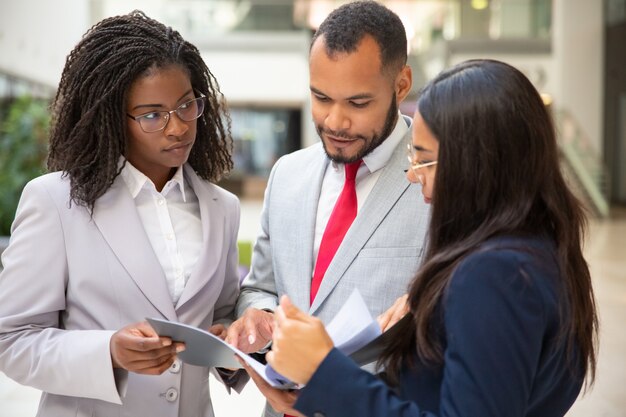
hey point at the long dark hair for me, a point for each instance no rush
(498, 173)
(88, 133)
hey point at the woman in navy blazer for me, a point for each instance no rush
(502, 318)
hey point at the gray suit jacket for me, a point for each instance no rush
(379, 255)
(70, 281)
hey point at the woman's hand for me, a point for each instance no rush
(280, 400)
(138, 348)
(300, 343)
(394, 314)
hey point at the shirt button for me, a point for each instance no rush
(175, 368)
(171, 395)
(160, 201)
(169, 236)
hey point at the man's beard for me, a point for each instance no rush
(370, 144)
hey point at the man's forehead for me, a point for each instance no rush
(362, 63)
(365, 45)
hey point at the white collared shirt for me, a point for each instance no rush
(366, 178)
(171, 219)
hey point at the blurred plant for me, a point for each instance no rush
(23, 150)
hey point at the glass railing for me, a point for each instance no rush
(582, 165)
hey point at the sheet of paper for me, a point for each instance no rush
(352, 328)
(201, 347)
(353, 325)
(266, 371)
(371, 351)
(205, 349)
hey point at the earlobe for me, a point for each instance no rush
(404, 81)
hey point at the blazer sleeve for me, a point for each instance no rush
(258, 290)
(494, 326)
(34, 350)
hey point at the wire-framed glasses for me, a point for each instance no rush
(157, 120)
(413, 157)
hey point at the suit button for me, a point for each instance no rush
(318, 414)
(175, 368)
(171, 395)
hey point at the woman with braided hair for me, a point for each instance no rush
(127, 225)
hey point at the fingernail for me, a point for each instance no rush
(251, 339)
(167, 342)
(180, 348)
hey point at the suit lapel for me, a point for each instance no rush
(213, 219)
(388, 189)
(115, 215)
(306, 229)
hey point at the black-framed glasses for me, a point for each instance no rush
(157, 120)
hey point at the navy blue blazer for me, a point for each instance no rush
(499, 327)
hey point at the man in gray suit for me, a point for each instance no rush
(358, 77)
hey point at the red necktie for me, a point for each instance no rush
(339, 222)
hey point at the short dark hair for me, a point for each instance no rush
(345, 27)
(88, 134)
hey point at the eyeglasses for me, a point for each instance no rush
(412, 156)
(157, 120)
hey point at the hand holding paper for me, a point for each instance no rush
(300, 343)
(280, 400)
(201, 348)
(353, 331)
(139, 349)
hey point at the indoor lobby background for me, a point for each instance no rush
(574, 51)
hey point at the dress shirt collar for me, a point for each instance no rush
(379, 157)
(136, 180)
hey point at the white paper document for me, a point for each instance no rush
(351, 329)
(353, 325)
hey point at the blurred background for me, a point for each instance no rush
(574, 51)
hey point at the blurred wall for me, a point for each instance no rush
(578, 45)
(572, 71)
(36, 36)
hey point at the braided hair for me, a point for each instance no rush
(88, 134)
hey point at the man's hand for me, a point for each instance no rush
(218, 330)
(137, 348)
(394, 314)
(252, 331)
(280, 400)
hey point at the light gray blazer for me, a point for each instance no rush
(70, 281)
(379, 255)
